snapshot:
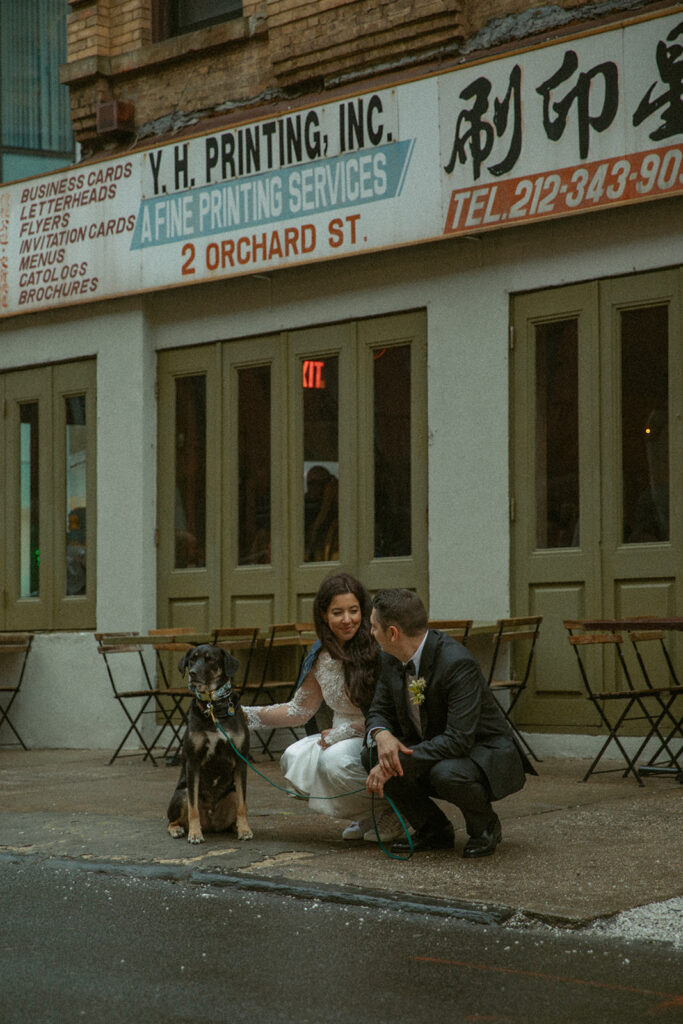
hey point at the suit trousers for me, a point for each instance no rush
(457, 780)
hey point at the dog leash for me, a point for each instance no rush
(291, 792)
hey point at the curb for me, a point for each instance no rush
(476, 913)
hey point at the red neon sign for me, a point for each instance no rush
(313, 376)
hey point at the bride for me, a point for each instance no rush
(342, 670)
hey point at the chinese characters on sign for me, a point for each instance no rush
(576, 99)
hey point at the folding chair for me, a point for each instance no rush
(172, 701)
(459, 629)
(295, 637)
(520, 634)
(669, 725)
(109, 644)
(616, 708)
(14, 645)
(237, 639)
(142, 697)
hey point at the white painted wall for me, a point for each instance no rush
(465, 286)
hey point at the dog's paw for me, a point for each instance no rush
(245, 833)
(195, 837)
(176, 831)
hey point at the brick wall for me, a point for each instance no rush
(279, 48)
(334, 38)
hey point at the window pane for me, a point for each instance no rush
(557, 435)
(29, 532)
(391, 398)
(190, 470)
(645, 424)
(320, 380)
(34, 105)
(76, 451)
(186, 15)
(254, 466)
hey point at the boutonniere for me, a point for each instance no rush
(416, 689)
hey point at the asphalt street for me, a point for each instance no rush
(79, 942)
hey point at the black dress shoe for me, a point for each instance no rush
(485, 844)
(426, 841)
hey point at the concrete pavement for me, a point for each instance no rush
(571, 852)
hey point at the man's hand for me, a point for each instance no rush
(377, 776)
(388, 750)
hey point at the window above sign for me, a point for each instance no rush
(175, 17)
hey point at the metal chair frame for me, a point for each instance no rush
(633, 700)
(510, 631)
(14, 644)
(294, 635)
(135, 643)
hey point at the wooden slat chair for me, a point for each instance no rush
(661, 679)
(15, 648)
(108, 645)
(459, 629)
(617, 709)
(238, 640)
(148, 698)
(517, 636)
(273, 689)
(173, 699)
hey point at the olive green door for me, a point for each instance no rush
(595, 428)
(284, 457)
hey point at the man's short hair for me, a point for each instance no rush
(402, 608)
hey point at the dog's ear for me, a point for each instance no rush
(230, 664)
(182, 664)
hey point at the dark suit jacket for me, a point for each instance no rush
(460, 717)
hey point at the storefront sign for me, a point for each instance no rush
(580, 125)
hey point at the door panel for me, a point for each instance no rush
(189, 475)
(555, 461)
(253, 523)
(323, 455)
(30, 545)
(393, 475)
(641, 401)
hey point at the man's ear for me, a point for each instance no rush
(394, 632)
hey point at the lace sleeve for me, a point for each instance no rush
(345, 731)
(299, 710)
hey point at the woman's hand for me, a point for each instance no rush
(323, 739)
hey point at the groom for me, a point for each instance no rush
(449, 739)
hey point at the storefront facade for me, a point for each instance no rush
(383, 331)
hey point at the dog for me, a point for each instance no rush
(211, 795)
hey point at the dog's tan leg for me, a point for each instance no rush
(194, 827)
(242, 825)
(176, 829)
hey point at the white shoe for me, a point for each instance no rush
(357, 829)
(388, 826)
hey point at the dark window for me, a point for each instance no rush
(174, 17)
(35, 123)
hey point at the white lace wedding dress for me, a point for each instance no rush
(322, 772)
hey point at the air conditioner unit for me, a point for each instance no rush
(115, 116)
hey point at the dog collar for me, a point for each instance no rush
(223, 691)
(221, 696)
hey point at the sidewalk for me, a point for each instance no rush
(571, 851)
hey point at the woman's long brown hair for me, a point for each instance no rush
(360, 655)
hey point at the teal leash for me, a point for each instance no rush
(351, 792)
